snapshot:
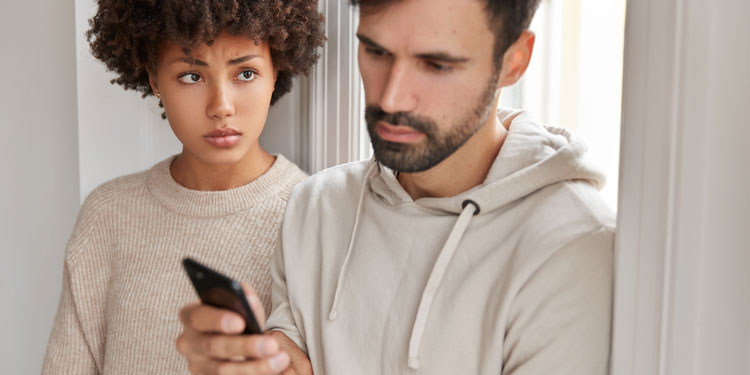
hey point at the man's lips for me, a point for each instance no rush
(223, 138)
(398, 134)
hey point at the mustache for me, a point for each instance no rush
(375, 114)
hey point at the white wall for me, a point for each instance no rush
(682, 302)
(118, 132)
(714, 182)
(39, 169)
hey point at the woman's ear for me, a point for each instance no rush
(516, 59)
(152, 82)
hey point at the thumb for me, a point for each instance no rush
(255, 304)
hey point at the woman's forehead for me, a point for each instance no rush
(222, 46)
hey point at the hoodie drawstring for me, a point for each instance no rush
(470, 208)
(436, 276)
(333, 314)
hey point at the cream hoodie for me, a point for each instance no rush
(511, 277)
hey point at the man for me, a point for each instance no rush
(471, 244)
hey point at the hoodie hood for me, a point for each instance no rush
(533, 156)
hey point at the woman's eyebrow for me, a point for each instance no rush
(242, 59)
(188, 60)
(194, 61)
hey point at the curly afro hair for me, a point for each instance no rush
(126, 34)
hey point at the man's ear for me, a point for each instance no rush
(516, 59)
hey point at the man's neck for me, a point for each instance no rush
(465, 169)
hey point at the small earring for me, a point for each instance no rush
(157, 95)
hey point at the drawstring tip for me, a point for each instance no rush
(414, 363)
(333, 315)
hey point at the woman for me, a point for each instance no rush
(216, 67)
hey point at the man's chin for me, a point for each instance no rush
(402, 162)
(407, 157)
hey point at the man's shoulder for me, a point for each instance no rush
(565, 212)
(333, 181)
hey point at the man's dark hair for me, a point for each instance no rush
(126, 34)
(507, 18)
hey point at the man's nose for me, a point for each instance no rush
(400, 93)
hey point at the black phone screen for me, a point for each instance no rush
(217, 290)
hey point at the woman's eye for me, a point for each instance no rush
(190, 78)
(247, 75)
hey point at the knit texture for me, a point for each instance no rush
(123, 281)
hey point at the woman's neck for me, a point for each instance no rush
(196, 174)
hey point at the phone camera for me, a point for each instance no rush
(199, 275)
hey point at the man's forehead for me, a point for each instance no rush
(428, 24)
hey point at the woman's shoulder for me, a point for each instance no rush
(124, 187)
(107, 198)
(286, 175)
(98, 207)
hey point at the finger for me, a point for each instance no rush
(270, 366)
(190, 344)
(231, 347)
(255, 304)
(209, 319)
(185, 310)
(199, 366)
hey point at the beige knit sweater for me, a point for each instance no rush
(123, 282)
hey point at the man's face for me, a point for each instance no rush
(429, 76)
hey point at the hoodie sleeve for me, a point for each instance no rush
(560, 321)
(281, 318)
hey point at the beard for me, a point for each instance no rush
(437, 145)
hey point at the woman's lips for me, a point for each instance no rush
(398, 134)
(223, 138)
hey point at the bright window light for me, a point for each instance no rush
(575, 77)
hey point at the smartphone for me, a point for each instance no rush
(217, 290)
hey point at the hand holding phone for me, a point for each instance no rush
(210, 340)
(217, 290)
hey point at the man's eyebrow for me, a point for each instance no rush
(242, 59)
(189, 60)
(442, 56)
(371, 43)
(436, 56)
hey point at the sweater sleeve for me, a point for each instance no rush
(76, 343)
(560, 319)
(67, 350)
(281, 317)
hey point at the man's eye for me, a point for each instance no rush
(190, 78)
(247, 75)
(438, 67)
(376, 51)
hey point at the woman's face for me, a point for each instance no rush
(217, 98)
